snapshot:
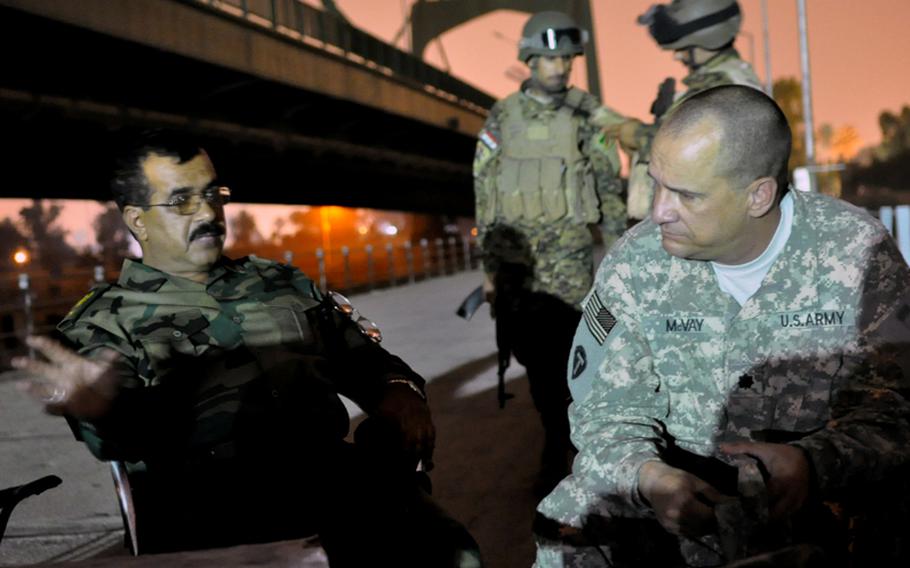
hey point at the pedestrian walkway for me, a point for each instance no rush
(486, 458)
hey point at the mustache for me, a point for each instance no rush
(207, 229)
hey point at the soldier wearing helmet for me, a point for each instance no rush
(544, 178)
(701, 35)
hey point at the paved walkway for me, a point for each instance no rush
(485, 462)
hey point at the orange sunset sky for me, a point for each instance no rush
(859, 52)
(860, 62)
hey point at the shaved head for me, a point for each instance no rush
(754, 136)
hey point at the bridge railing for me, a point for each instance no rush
(33, 302)
(312, 26)
(897, 220)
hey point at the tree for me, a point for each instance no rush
(845, 143)
(247, 238)
(837, 143)
(884, 179)
(895, 134)
(48, 242)
(112, 236)
(789, 96)
(10, 240)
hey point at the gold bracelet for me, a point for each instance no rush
(411, 384)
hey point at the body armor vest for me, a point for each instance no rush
(542, 173)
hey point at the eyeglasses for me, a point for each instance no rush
(189, 203)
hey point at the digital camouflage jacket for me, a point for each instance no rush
(819, 357)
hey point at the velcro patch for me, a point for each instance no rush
(487, 138)
(598, 318)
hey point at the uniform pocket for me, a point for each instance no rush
(803, 400)
(529, 186)
(746, 413)
(488, 214)
(508, 190)
(552, 185)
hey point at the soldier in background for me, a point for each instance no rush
(744, 357)
(544, 177)
(701, 35)
(218, 379)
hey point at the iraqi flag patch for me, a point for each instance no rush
(489, 139)
(598, 318)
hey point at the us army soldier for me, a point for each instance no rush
(701, 34)
(742, 322)
(543, 176)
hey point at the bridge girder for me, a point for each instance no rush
(68, 92)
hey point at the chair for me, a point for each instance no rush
(127, 507)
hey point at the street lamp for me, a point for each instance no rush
(22, 257)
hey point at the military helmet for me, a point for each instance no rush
(551, 33)
(710, 24)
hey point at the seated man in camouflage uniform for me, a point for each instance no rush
(744, 356)
(220, 378)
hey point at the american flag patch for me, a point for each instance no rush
(598, 318)
(487, 138)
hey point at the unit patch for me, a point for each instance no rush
(579, 362)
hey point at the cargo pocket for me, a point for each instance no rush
(488, 214)
(552, 174)
(175, 343)
(508, 189)
(529, 185)
(747, 412)
(803, 404)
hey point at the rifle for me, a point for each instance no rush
(743, 523)
(468, 308)
(666, 93)
(471, 304)
(504, 351)
(747, 534)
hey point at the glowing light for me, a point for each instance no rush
(473, 231)
(389, 229)
(21, 256)
(363, 229)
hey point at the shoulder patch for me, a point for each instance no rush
(489, 139)
(83, 304)
(259, 261)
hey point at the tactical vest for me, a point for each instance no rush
(542, 173)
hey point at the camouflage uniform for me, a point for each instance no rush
(229, 398)
(819, 357)
(559, 251)
(269, 317)
(544, 174)
(725, 68)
